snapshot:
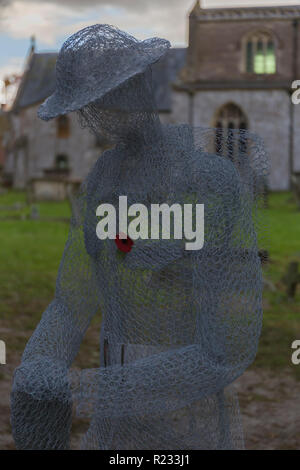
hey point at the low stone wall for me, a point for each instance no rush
(51, 189)
(48, 190)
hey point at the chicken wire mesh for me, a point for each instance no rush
(178, 326)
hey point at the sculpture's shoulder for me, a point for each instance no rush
(195, 165)
(213, 173)
(97, 184)
(104, 173)
(100, 168)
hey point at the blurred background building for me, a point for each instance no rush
(235, 74)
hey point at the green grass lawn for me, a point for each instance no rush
(31, 251)
(30, 254)
(281, 316)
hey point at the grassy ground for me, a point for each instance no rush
(29, 259)
(31, 251)
(281, 316)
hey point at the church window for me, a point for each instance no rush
(260, 54)
(230, 121)
(61, 162)
(63, 127)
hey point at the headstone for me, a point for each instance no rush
(2, 352)
(292, 279)
(34, 214)
(296, 187)
(18, 206)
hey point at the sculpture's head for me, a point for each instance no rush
(105, 75)
(122, 112)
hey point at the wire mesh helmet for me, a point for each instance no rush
(95, 61)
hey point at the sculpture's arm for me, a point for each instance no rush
(227, 332)
(65, 321)
(41, 399)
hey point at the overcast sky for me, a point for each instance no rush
(52, 21)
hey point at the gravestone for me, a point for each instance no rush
(34, 214)
(2, 353)
(292, 279)
(296, 187)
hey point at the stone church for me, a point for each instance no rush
(239, 70)
(45, 153)
(236, 73)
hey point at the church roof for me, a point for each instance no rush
(247, 13)
(196, 8)
(38, 81)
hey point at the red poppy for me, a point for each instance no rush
(124, 244)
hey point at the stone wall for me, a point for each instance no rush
(216, 48)
(42, 146)
(48, 190)
(180, 109)
(268, 115)
(296, 146)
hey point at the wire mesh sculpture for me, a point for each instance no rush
(178, 326)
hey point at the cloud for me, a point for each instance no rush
(51, 20)
(14, 65)
(128, 5)
(45, 20)
(249, 3)
(147, 5)
(155, 23)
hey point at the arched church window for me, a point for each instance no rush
(61, 162)
(260, 54)
(230, 116)
(230, 119)
(63, 127)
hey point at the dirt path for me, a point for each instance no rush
(269, 404)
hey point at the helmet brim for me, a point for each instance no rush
(58, 104)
